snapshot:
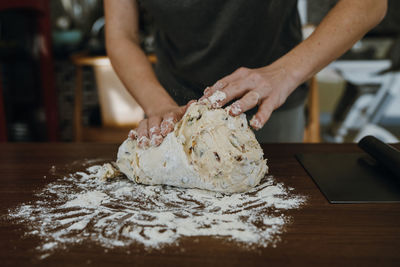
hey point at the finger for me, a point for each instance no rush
(254, 81)
(142, 131)
(168, 123)
(233, 91)
(234, 76)
(209, 91)
(222, 83)
(170, 119)
(263, 114)
(154, 131)
(205, 94)
(217, 98)
(132, 135)
(248, 101)
(181, 111)
(242, 82)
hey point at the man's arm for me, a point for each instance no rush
(136, 73)
(269, 86)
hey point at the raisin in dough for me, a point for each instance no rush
(208, 149)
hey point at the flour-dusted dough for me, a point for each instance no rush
(208, 149)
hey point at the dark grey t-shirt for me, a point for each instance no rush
(200, 41)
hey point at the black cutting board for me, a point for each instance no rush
(348, 178)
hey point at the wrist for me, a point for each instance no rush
(156, 101)
(286, 75)
(300, 63)
(159, 107)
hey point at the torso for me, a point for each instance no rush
(201, 41)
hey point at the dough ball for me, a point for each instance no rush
(208, 149)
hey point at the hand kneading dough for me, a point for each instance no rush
(208, 149)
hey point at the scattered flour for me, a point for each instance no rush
(117, 213)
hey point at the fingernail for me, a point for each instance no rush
(143, 142)
(132, 135)
(255, 123)
(216, 105)
(206, 90)
(235, 109)
(166, 125)
(152, 130)
(217, 98)
(156, 140)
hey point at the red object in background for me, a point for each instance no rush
(42, 8)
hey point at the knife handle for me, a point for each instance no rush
(384, 154)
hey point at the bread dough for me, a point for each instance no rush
(208, 149)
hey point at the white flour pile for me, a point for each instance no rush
(118, 213)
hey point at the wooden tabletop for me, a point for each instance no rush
(320, 234)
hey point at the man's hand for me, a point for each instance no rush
(267, 87)
(152, 130)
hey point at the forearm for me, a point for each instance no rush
(344, 25)
(268, 87)
(136, 73)
(129, 60)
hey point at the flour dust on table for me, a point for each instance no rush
(88, 206)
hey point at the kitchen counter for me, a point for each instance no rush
(320, 233)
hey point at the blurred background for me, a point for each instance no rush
(56, 83)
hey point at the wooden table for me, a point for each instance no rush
(321, 234)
